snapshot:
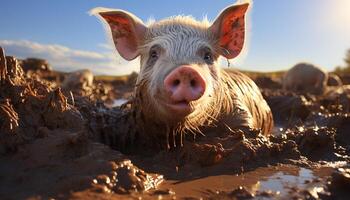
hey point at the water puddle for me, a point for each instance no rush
(116, 102)
(282, 182)
(278, 129)
(285, 183)
(119, 102)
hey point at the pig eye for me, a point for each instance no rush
(153, 54)
(208, 57)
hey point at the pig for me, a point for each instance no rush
(180, 85)
(305, 77)
(79, 79)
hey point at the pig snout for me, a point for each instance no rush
(184, 84)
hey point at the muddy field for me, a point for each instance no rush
(52, 145)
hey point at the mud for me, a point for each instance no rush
(45, 146)
(334, 80)
(53, 145)
(288, 182)
(267, 82)
(339, 183)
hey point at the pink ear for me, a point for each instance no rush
(229, 27)
(127, 32)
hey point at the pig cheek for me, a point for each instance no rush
(160, 71)
(214, 70)
(210, 76)
(157, 92)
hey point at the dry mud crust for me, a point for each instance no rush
(45, 149)
(27, 104)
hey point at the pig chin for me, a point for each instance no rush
(175, 112)
(179, 109)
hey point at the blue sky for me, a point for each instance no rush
(281, 33)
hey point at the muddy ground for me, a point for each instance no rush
(51, 145)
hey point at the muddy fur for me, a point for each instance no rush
(237, 105)
(237, 100)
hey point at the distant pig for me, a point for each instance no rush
(305, 77)
(180, 85)
(80, 79)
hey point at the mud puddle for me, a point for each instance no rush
(117, 102)
(262, 183)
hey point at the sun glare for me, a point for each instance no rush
(338, 14)
(342, 8)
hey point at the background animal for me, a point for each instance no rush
(305, 77)
(78, 79)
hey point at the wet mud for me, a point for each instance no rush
(53, 144)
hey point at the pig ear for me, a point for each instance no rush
(127, 30)
(229, 28)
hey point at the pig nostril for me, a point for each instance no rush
(193, 83)
(176, 82)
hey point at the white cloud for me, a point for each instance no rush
(106, 46)
(66, 59)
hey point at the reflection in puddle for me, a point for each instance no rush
(118, 102)
(278, 129)
(281, 181)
